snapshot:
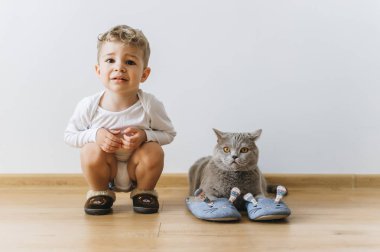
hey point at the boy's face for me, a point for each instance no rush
(121, 67)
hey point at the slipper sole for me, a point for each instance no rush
(270, 217)
(97, 211)
(144, 210)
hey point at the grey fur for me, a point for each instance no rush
(217, 174)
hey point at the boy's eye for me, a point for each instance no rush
(226, 149)
(244, 150)
(130, 62)
(110, 60)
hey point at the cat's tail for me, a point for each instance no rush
(273, 189)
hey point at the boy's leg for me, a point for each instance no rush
(98, 168)
(145, 167)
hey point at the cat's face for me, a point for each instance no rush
(236, 151)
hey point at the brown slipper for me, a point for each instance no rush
(145, 203)
(98, 205)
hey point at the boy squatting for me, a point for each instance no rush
(121, 129)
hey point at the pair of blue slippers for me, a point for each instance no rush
(222, 209)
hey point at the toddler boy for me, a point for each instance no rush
(121, 129)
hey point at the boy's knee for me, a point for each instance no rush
(91, 154)
(152, 155)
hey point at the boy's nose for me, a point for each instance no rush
(120, 68)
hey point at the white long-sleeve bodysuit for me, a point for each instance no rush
(147, 114)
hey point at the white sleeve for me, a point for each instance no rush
(161, 128)
(78, 132)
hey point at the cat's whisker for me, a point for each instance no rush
(242, 163)
(201, 195)
(281, 192)
(235, 192)
(249, 197)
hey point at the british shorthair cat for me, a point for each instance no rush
(233, 164)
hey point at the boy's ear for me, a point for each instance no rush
(145, 74)
(97, 70)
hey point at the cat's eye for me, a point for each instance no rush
(244, 150)
(226, 149)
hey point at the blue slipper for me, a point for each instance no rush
(220, 210)
(267, 209)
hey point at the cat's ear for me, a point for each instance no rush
(255, 135)
(219, 134)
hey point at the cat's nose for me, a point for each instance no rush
(234, 157)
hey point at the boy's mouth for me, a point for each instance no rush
(119, 78)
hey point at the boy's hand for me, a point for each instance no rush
(133, 138)
(108, 140)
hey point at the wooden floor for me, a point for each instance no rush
(52, 219)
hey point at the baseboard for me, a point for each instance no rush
(76, 180)
(180, 180)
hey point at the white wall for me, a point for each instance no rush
(306, 72)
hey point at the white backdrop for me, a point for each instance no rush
(306, 72)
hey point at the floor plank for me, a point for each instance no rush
(52, 219)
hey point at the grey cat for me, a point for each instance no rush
(233, 164)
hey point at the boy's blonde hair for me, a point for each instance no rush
(127, 35)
